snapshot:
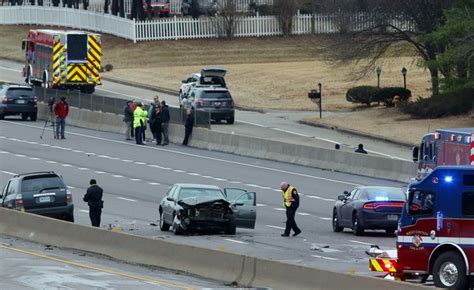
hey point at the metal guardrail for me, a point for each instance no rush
(113, 105)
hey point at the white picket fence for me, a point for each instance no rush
(186, 27)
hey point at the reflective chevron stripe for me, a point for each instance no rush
(383, 265)
(77, 73)
(94, 57)
(58, 59)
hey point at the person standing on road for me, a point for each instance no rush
(93, 198)
(151, 112)
(188, 126)
(128, 120)
(155, 124)
(132, 105)
(291, 201)
(61, 110)
(144, 122)
(165, 119)
(139, 116)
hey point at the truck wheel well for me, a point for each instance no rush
(445, 248)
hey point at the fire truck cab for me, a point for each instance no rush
(453, 146)
(436, 229)
(62, 59)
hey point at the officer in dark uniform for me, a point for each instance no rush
(93, 198)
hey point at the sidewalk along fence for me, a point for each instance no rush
(68, 17)
(94, 102)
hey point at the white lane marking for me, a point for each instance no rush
(362, 243)
(254, 124)
(327, 140)
(99, 172)
(32, 143)
(10, 69)
(220, 179)
(114, 158)
(71, 187)
(207, 176)
(199, 156)
(7, 172)
(325, 258)
(235, 241)
(321, 198)
(82, 168)
(117, 175)
(103, 156)
(325, 218)
(126, 199)
(34, 158)
(127, 160)
(276, 227)
(154, 183)
(261, 204)
(179, 170)
(83, 210)
(77, 151)
(290, 132)
(45, 145)
(66, 165)
(101, 89)
(193, 174)
(235, 182)
(90, 153)
(387, 155)
(51, 162)
(56, 147)
(135, 179)
(303, 213)
(4, 152)
(265, 187)
(252, 185)
(276, 190)
(140, 163)
(279, 208)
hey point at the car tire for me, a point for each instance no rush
(357, 229)
(24, 116)
(231, 120)
(449, 271)
(2, 116)
(163, 225)
(335, 223)
(390, 231)
(87, 89)
(69, 218)
(33, 117)
(231, 229)
(177, 230)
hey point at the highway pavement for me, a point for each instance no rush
(135, 178)
(27, 265)
(275, 125)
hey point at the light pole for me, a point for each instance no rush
(404, 73)
(378, 70)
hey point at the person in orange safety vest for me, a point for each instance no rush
(291, 201)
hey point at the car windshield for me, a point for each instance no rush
(15, 93)
(37, 183)
(196, 192)
(215, 95)
(385, 193)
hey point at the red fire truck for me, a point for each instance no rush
(436, 230)
(444, 147)
(62, 59)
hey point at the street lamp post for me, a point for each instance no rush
(378, 70)
(404, 73)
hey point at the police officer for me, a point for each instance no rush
(291, 201)
(93, 198)
(139, 121)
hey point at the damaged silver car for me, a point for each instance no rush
(197, 207)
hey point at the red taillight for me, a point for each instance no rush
(4, 100)
(69, 196)
(199, 103)
(375, 205)
(19, 202)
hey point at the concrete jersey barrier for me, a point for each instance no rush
(213, 264)
(341, 161)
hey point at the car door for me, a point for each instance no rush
(9, 199)
(348, 207)
(168, 205)
(245, 206)
(4, 193)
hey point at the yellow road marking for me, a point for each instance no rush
(78, 264)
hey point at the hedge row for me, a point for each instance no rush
(368, 94)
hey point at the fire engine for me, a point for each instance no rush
(444, 147)
(436, 230)
(62, 59)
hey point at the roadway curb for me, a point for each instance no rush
(357, 133)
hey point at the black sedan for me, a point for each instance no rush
(368, 207)
(197, 207)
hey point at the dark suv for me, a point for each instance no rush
(216, 101)
(42, 193)
(18, 100)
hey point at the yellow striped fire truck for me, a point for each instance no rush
(64, 59)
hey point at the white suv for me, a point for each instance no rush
(209, 76)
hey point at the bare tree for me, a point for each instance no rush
(401, 21)
(227, 18)
(285, 10)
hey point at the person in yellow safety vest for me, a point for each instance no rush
(291, 202)
(139, 120)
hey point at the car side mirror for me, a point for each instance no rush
(238, 203)
(23, 45)
(341, 197)
(346, 192)
(415, 153)
(169, 198)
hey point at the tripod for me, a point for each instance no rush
(50, 118)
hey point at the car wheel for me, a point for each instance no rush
(356, 227)
(69, 218)
(230, 121)
(177, 230)
(163, 225)
(390, 231)
(24, 116)
(34, 117)
(231, 229)
(335, 223)
(449, 271)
